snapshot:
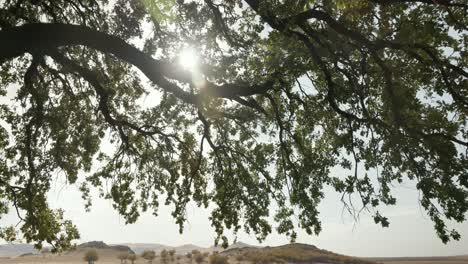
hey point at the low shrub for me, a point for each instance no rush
(199, 258)
(149, 255)
(240, 257)
(123, 257)
(91, 256)
(132, 257)
(218, 259)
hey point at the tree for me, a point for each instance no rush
(172, 254)
(164, 255)
(132, 257)
(283, 94)
(123, 257)
(149, 255)
(91, 256)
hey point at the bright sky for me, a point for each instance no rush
(410, 232)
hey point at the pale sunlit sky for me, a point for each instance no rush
(410, 232)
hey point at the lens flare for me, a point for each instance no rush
(188, 58)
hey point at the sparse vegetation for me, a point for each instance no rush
(261, 258)
(298, 254)
(172, 254)
(164, 256)
(240, 257)
(132, 257)
(91, 256)
(123, 257)
(149, 255)
(199, 258)
(218, 259)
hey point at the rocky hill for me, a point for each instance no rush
(102, 245)
(292, 253)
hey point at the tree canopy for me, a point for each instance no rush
(284, 93)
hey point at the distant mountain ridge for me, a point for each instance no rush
(293, 253)
(138, 248)
(14, 250)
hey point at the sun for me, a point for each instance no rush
(188, 58)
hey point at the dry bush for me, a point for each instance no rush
(240, 257)
(199, 258)
(91, 256)
(148, 255)
(123, 257)
(164, 255)
(172, 254)
(261, 258)
(132, 257)
(218, 259)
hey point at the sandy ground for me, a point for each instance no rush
(110, 257)
(425, 260)
(105, 257)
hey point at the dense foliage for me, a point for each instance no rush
(285, 92)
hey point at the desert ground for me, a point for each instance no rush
(111, 258)
(424, 260)
(105, 257)
(289, 254)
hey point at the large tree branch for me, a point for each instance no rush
(41, 37)
(104, 107)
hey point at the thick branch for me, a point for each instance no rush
(41, 37)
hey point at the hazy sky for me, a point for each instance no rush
(410, 232)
